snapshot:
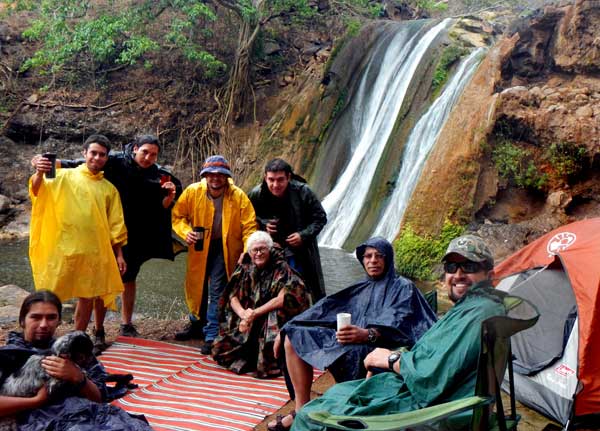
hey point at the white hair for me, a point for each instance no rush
(259, 236)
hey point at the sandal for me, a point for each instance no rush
(279, 426)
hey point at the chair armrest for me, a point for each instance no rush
(398, 421)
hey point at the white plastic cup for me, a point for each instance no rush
(343, 319)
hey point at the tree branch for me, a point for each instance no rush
(79, 107)
(231, 5)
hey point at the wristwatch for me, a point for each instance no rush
(372, 336)
(392, 359)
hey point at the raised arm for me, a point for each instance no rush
(41, 165)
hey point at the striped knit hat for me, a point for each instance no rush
(216, 165)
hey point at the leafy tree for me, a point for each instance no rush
(111, 33)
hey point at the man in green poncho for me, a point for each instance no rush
(442, 365)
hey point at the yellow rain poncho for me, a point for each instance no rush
(194, 208)
(76, 219)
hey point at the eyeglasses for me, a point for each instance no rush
(258, 250)
(376, 256)
(468, 267)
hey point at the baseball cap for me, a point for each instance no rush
(470, 247)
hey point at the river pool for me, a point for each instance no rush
(160, 282)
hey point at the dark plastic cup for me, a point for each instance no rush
(52, 158)
(199, 246)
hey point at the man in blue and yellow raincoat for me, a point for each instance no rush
(77, 231)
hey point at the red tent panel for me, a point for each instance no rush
(578, 246)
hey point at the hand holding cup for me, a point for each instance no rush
(51, 157)
(343, 320)
(42, 164)
(272, 226)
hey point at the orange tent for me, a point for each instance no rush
(570, 253)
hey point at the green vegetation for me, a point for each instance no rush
(102, 35)
(516, 164)
(523, 168)
(567, 159)
(417, 256)
(449, 57)
(96, 37)
(370, 8)
(430, 5)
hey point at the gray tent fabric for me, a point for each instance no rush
(540, 346)
(546, 354)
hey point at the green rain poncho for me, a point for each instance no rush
(442, 366)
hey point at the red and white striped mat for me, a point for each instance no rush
(180, 389)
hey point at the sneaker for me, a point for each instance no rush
(206, 348)
(128, 330)
(99, 342)
(192, 330)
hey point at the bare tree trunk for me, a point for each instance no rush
(238, 91)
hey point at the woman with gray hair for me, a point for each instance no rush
(263, 293)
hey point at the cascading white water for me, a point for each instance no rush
(420, 142)
(374, 117)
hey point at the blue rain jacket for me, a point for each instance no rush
(392, 305)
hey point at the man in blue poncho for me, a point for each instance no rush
(387, 311)
(442, 365)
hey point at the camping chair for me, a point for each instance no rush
(493, 359)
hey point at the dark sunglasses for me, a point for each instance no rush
(468, 267)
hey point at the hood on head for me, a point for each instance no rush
(384, 247)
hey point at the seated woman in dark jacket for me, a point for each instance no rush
(39, 317)
(262, 295)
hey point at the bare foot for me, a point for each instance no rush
(282, 423)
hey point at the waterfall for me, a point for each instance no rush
(373, 120)
(421, 140)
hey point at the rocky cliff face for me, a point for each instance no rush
(537, 94)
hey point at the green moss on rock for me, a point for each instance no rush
(418, 256)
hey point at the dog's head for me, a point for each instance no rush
(76, 345)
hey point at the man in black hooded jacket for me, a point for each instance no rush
(291, 213)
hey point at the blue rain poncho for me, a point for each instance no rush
(392, 305)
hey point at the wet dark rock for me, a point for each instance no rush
(4, 204)
(271, 48)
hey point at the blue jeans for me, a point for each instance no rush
(216, 279)
(294, 263)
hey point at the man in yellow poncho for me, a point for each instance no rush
(215, 218)
(77, 230)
